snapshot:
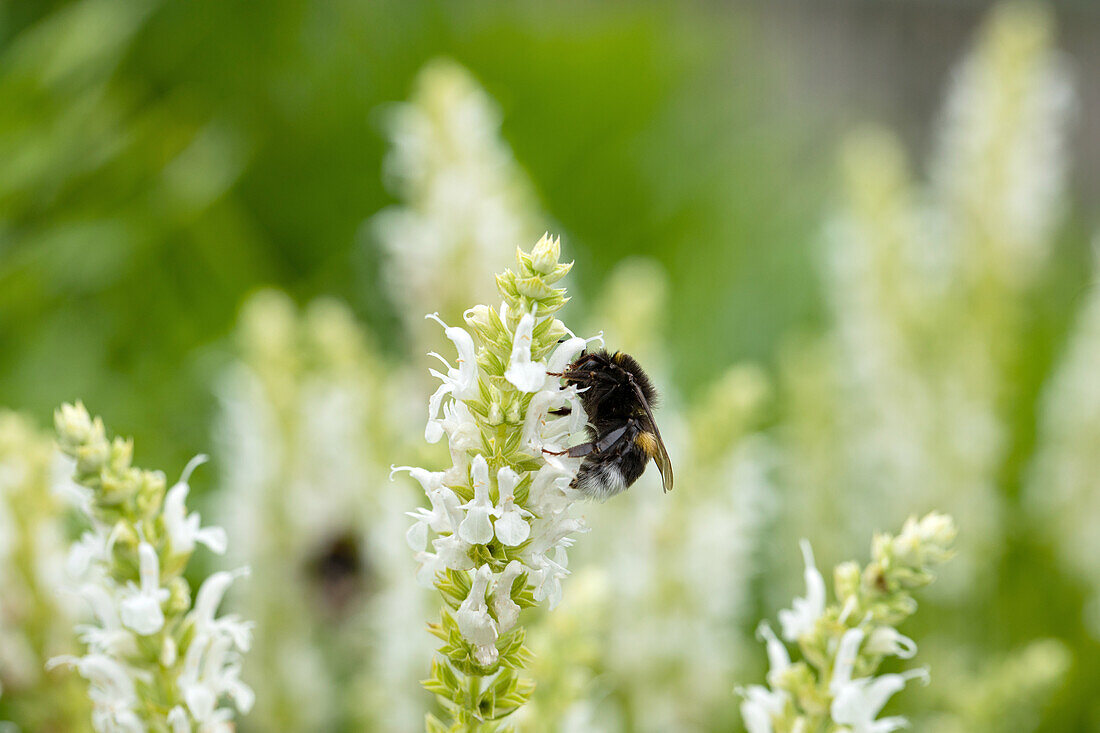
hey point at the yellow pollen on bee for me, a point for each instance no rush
(647, 442)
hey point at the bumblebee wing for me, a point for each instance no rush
(664, 465)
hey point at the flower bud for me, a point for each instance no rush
(544, 256)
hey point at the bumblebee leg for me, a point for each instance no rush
(600, 446)
(562, 411)
(611, 438)
(577, 451)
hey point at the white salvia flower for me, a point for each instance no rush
(209, 597)
(856, 703)
(527, 375)
(504, 608)
(477, 528)
(804, 612)
(760, 706)
(445, 514)
(211, 667)
(886, 640)
(512, 528)
(778, 657)
(209, 673)
(547, 577)
(111, 690)
(178, 721)
(109, 637)
(474, 620)
(91, 547)
(450, 552)
(139, 607)
(184, 529)
(846, 654)
(462, 379)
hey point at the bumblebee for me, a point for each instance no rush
(617, 396)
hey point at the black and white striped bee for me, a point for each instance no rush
(617, 395)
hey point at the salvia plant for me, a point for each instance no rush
(927, 283)
(465, 202)
(36, 616)
(833, 686)
(156, 659)
(500, 518)
(308, 411)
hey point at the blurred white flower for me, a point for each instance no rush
(805, 612)
(1062, 486)
(760, 706)
(927, 285)
(184, 529)
(309, 415)
(119, 666)
(857, 702)
(465, 201)
(139, 606)
(112, 691)
(36, 612)
(820, 692)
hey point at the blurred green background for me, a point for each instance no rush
(164, 161)
(161, 161)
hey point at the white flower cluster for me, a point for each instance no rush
(495, 537)
(308, 413)
(153, 660)
(35, 617)
(999, 172)
(856, 703)
(850, 637)
(926, 285)
(543, 526)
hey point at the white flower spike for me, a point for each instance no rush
(134, 651)
(855, 636)
(500, 512)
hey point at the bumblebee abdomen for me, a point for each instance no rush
(604, 477)
(647, 443)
